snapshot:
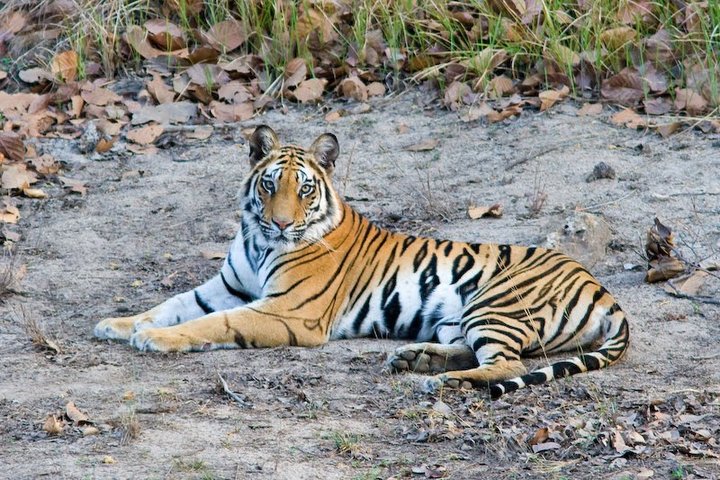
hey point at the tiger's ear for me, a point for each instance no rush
(326, 150)
(263, 141)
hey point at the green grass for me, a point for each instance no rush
(423, 38)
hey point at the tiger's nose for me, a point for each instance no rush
(282, 224)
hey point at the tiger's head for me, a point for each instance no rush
(288, 197)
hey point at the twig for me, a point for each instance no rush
(692, 194)
(232, 394)
(708, 357)
(605, 204)
(698, 298)
(531, 157)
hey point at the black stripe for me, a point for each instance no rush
(245, 297)
(461, 264)
(203, 304)
(483, 341)
(420, 256)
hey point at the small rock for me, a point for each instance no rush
(584, 237)
(89, 139)
(601, 170)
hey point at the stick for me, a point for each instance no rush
(531, 157)
(698, 298)
(232, 394)
(708, 357)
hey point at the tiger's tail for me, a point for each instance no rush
(616, 342)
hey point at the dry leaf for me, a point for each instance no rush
(455, 94)
(375, 89)
(476, 112)
(209, 76)
(9, 213)
(107, 459)
(77, 104)
(145, 135)
(295, 72)
(34, 193)
(160, 90)
(590, 109)
(74, 414)
(12, 146)
(549, 98)
(64, 65)
(53, 425)
(690, 100)
(540, 436)
(90, 430)
(201, 132)
(668, 129)
(500, 86)
(625, 88)
(165, 34)
(425, 145)
(176, 112)
(628, 118)
(657, 106)
(45, 164)
(616, 38)
(493, 211)
(664, 268)
(353, 87)
(98, 95)
(232, 113)
(689, 284)
(234, 92)
(660, 241)
(136, 37)
(104, 145)
(76, 186)
(227, 35)
(17, 176)
(35, 75)
(334, 116)
(510, 111)
(310, 90)
(618, 443)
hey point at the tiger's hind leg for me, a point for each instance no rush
(496, 341)
(432, 358)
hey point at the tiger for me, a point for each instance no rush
(306, 268)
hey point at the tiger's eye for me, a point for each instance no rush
(306, 189)
(268, 185)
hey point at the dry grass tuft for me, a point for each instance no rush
(36, 331)
(129, 427)
(10, 275)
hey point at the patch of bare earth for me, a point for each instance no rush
(139, 236)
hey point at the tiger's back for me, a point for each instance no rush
(306, 268)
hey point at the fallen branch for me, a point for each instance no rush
(697, 298)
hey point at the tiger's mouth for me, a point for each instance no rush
(286, 236)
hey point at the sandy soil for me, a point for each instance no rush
(139, 235)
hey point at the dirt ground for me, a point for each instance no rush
(139, 236)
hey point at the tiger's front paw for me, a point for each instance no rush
(437, 382)
(160, 340)
(115, 328)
